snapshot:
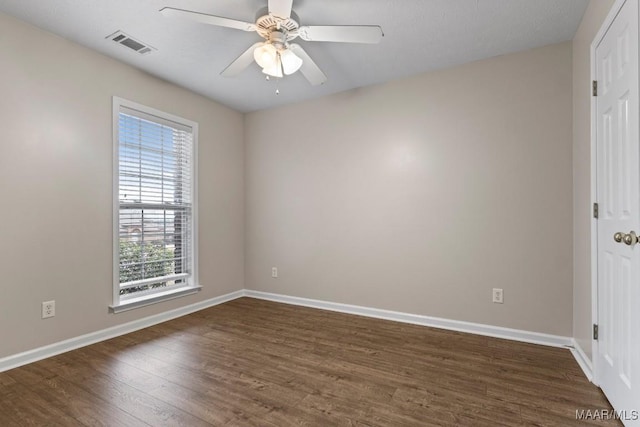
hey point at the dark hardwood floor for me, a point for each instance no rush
(256, 363)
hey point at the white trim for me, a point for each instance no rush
(417, 319)
(594, 221)
(115, 208)
(195, 253)
(155, 298)
(54, 349)
(131, 105)
(583, 361)
(51, 350)
(120, 104)
(613, 12)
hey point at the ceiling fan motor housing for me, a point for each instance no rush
(278, 39)
(266, 24)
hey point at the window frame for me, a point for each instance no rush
(192, 285)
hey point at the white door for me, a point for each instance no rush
(618, 194)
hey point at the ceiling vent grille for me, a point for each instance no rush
(133, 44)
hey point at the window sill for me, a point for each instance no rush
(134, 303)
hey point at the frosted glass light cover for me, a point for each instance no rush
(290, 61)
(265, 55)
(276, 69)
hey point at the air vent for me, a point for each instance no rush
(128, 41)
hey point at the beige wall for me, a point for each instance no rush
(421, 195)
(56, 183)
(591, 22)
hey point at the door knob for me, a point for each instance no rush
(618, 237)
(631, 238)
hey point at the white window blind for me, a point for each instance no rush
(155, 197)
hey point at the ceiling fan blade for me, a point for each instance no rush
(309, 68)
(280, 8)
(342, 33)
(241, 62)
(208, 19)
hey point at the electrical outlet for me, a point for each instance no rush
(498, 296)
(274, 272)
(48, 309)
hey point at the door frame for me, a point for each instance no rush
(615, 9)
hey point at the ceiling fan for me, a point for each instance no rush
(278, 26)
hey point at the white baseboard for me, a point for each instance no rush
(40, 353)
(583, 361)
(417, 319)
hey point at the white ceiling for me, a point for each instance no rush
(420, 35)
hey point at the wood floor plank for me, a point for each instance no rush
(84, 407)
(257, 363)
(231, 395)
(31, 408)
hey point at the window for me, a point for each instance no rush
(154, 206)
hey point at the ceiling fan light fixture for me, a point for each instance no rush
(278, 25)
(290, 61)
(265, 55)
(275, 70)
